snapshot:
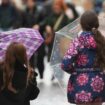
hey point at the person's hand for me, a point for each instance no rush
(30, 73)
(48, 29)
(32, 76)
(11, 88)
(36, 27)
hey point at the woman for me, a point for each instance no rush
(57, 20)
(32, 18)
(31, 14)
(15, 77)
(85, 61)
(8, 16)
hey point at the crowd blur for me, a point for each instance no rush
(47, 16)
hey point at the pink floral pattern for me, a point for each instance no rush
(82, 79)
(91, 41)
(88, 41)
(73, 49)
(70, 87)
(86, 84)
(83, 97)
(97, 84)
(80, 43)
(82, 60)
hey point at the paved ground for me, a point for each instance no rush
(51, 93)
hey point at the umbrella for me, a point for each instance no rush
(61, 43)
(30, 38)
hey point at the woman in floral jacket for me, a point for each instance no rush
(85, 61)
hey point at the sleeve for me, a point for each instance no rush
(68, 61)
(32, 90)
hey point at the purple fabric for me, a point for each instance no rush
(29, 37)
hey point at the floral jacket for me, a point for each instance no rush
(86, 83)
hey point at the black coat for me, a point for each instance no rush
(32, 91)
(23, 96)
(30, 17)
(8, 17)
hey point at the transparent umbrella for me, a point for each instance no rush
(61, 43)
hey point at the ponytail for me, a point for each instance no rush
(90, 22)
(100, 50)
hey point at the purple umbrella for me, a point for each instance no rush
(30, 38)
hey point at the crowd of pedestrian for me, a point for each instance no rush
(47, 16)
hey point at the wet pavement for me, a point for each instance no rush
(50, 95)
(50, 92)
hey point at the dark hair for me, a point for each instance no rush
(89, 22)
(72, 7)
(15, 51)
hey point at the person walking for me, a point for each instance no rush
(16, 77)
(8, 16)
(57, 20)
(85, 61)
(32, 19)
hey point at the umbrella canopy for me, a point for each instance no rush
(61, 43)
(30, 38)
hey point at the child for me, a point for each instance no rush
(85, 61)
(16, 87)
